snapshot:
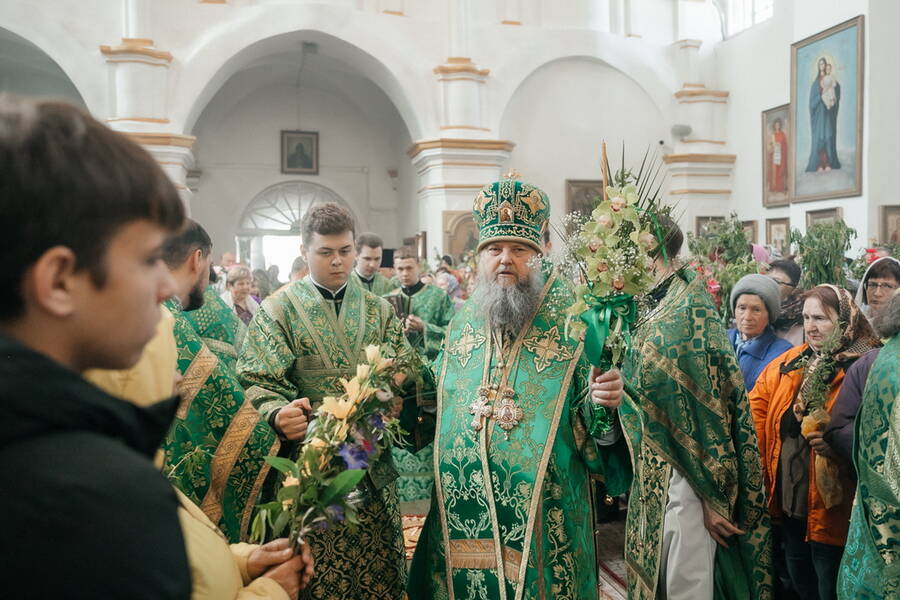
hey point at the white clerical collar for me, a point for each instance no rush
(325, 287)
(364, 278)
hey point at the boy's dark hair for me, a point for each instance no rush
(326, 219)
(370, 240)
(181, 245)
(673, 238)
(68, 180)
(789, 268)
(404, 252)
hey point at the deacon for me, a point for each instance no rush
(510, 516)
(215, 450)
(425, 308)
(697, 524)
(369, 249)
(300, 344)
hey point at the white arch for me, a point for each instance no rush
(390, 61)
(282, 205)
(647, 65)
(36, 23)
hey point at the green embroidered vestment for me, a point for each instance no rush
(297, 346)
(870, 567)
(216, 447)
(433, 306)
(511, 518)
(686, 408)
(219, 327)
(380, 284)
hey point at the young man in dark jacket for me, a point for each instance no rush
(83, 511)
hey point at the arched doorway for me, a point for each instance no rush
(269, 230)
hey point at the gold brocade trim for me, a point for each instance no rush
(226, 455)
(492, 511)
(542, 470)
(671, 368)
(220, 346)
(479, 554)
(194, 378)
(254, 492)
(295, 299)
(438, 487)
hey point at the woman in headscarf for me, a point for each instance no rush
(880, 281)
(809, 486)
(871, 564)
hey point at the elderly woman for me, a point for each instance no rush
(238, 282)
(756, 304)
(809, 487)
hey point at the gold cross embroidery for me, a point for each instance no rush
(467, 342)
(546, 348)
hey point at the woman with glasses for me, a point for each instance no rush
(878, 284)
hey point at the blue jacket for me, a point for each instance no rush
(757, 353)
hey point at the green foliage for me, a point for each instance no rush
(821, 253)
(724, 253)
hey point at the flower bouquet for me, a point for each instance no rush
(614, 251)
(346, 434)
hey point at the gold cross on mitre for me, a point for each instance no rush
(512, 174)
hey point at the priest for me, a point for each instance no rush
(511, 513)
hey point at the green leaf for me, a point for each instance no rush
(284, 465)
(281, 522)
(289, 492)
(341, 486)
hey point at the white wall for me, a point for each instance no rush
(561, 113)
(361, 136)
(755, 67)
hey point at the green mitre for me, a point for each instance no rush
(511, 211)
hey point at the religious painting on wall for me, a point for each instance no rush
(582, 194)
(751, 230)
(827, 112)
(776, 139)
(300, 152)
(890, 224)
(778, 233)
(460, 233)
(825, 216)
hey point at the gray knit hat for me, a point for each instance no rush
(762, 286)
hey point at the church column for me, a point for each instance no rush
(464, 155)
(139, 78)
(700, 167)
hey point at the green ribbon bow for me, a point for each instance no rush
(599, 320)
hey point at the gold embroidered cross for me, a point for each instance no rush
(468, 341)
(546, 348)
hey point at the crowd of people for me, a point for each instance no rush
(143, 388)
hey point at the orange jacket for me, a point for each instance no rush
(774, 394)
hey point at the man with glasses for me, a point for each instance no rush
(789, 325)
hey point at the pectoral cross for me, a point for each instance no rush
(481, 408)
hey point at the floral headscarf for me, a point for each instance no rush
(856, 338)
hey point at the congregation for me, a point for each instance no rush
(149, 391)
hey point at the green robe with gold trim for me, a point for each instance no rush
(219, 327)
(870, 567)
(215, 450)
(297, 346)
(511, 518)
(380, 285)
(433, 306)
(686, 408)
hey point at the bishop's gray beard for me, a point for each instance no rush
(509, 308)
